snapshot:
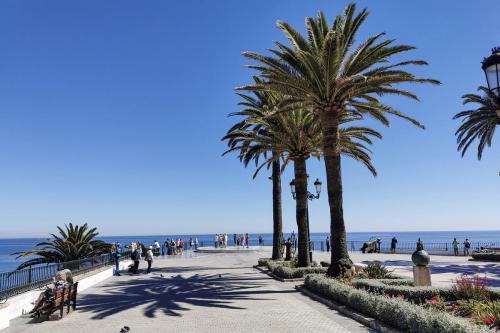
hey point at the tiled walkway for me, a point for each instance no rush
(205, 293)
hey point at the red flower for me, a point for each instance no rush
(401, 297)
(453, 306)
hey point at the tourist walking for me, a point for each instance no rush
(196, 243)
(136, 257)
(455, 246)
(149, 258)
(261, 240)
(118, 253)
(466, 247)
(225, 240)
(235, 237)
(327, 243)
(181, 245)
(216, 240)
(246, 240)
(190, 243)
(394, 241)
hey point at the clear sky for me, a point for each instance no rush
(111, 112)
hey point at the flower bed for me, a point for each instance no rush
(393, 311)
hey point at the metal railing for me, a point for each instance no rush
(17, 282)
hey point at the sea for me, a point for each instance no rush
(9, 246)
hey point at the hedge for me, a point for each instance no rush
(489, 256)
(400, 314)
(403, 287)
(281, 270)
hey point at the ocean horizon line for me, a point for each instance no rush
(269, 232)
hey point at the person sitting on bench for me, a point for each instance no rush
(46, 297)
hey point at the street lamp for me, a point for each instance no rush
(311, 197)
(491, 68)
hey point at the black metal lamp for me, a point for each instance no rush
(317, 185)
(491, 68)
(292, 187)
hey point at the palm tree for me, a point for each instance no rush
(295, 136)
(325, 71)
(72, 243)
(260, 104)
(478, 123)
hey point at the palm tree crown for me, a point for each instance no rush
(72, 243)
(478, 123)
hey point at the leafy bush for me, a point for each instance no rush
(471, 287)
(403, 287)
(489, 256)
(263, 261)
(487, 313)
(375, 270)
(285, 272)
(398, 313)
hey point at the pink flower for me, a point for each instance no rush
(401, 297)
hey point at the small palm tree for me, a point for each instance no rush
(478, 123)
(72, 243)
(326, 71)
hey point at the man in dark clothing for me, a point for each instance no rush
(327, 242)
(394, 241)
(136, 256)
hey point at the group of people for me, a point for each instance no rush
(466, 244)
(241, 240)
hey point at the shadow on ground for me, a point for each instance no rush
(171, 294)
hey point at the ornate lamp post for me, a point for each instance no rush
(311, 197)
(491, 68)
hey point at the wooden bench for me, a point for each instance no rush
(65, 297)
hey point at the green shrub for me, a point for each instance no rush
(400, 314)
(286, 272)
(403, 287)
(375, 270)
(263, 261)
(487, 256)
(487, 313)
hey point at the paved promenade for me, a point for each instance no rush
(196, 293)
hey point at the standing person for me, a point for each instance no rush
(260, 240)
(225, 240)
(156, 247)
(181, 245)
(234, 239)
(455, 246)
(136, 256)
(327, 242)
(247, 240)
(466, 247)
(118, 253)
(190, 243)
(238, 242)
(394, 241)
(149, 258)
(196, 243)
(216, 240)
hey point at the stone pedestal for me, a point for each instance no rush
(421, 276)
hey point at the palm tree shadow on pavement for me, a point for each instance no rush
(167, 294)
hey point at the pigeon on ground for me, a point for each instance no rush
(125, 329)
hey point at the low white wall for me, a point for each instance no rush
(18, 305)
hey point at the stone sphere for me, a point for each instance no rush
(420, 258)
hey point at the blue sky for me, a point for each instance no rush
(111, 112)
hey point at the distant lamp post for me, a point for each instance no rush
(491, 68)
(310, 196)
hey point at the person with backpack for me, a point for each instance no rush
(466, 247)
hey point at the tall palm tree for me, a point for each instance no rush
(72, 243)
(478, 123)
(327, 72)
(260, 104)
(295, 136)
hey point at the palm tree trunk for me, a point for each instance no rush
(277, 219)
(301, 210)
(340, 262)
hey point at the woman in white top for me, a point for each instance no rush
(149, 258)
